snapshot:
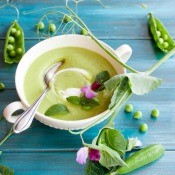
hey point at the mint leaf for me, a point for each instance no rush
(74, 100)
(110, 158)
(88, 102)
(56, 110)
(114, 139)
(95, 168)
(102, 77)
(4, 170)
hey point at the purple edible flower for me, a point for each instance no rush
(95, 86)
(94, 154)
(82, 155)
(88, 92)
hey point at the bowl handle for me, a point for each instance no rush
(124, 52)
(10, 109)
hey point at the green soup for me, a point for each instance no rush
(74, 57)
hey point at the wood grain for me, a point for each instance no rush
(42, 150)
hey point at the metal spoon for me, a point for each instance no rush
(26, 118)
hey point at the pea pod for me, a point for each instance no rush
(14, 47)
(160, 34)
(141, 158)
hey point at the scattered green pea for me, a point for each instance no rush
(13, 31)
(67, 19)
(11, 39)
(138, 115)
(165, 45)
(129, 108)
(12, 53)
(161, 41)
(143, 127)
(10, 47)
(19, 51)
(165, 37)
(40, 25)
(52, 27)
(155, 113)
(158, 33)
(83, 32)
(2, 86)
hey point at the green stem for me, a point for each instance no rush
(84, 26)
(6, 137)
(157, 65)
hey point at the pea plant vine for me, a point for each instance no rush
(122, 86)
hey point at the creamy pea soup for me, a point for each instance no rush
(79, 69)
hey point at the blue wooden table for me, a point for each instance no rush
(42, 150)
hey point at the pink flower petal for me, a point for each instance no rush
(94, 155)
(82, 155)
(88, 92)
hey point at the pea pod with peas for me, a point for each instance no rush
(160, 34)
(14, 47)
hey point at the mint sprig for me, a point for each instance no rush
(57, 109)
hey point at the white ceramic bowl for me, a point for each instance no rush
(124, 52)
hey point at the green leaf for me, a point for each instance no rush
(113, 82)
(1, 118)
(110, 158)
(56, 110)
(0, 153)
(95, 168)
(121, 94)
(141, 83)
(4, 170)
(102, 77)
(131, 144)
(74, 99)
(88, 102)
(114, 139)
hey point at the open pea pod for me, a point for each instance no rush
(14, 47)
(160, 34)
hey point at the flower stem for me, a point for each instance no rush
(159, 63)
(6, 137)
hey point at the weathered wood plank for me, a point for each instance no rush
(115, 20)
(63, 163)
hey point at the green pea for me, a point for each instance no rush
(158, 33)
(165, 37)
(40, 25)
(10, 47)
(11, 39)
(165, 45)
(138, 115)
(12, 53)
(52, 27)
(155, 113)
(87, 108)
(161, 41)
(17, 33)
(2, 86)
(67, 19)
(13, 31)
(129, 108)
(143, 127)
(83, 32)
(19, 51)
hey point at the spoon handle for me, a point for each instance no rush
(26, 118)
